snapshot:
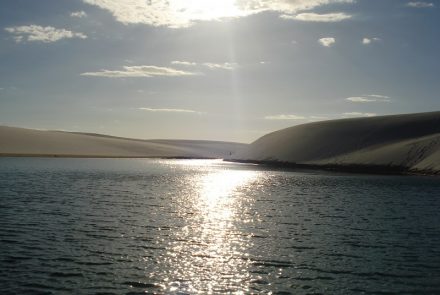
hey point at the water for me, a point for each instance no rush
(101, 226)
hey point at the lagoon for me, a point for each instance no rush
(136, 226)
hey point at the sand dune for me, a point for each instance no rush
(409, 141)
(29, 142)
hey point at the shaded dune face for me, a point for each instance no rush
(352, 141)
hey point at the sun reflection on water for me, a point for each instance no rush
(210, 251)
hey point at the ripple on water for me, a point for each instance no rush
(183, 227)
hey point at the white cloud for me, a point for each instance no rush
(139, 72)
(327, 42)
(420, 4)
(369, 98)
(285, 117)
(367, 41)
(378, 96)
(360, 99)
(34, 33)
(315, 17)
(181, 13)
(79, 14)
(209, 65)
(183, 63)
(359, 114)
(169, 110)
(222, 66)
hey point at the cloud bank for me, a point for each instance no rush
(179, 13)
(35, 33)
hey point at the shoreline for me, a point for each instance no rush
(69, 156)
(352, 168)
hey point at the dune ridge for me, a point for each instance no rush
(29, 142)
(409, 142)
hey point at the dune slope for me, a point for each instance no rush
(28, 142)
(410, 141)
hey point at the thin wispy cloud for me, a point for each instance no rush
(367, 41)
(359, 114)
(78, 14)
(35, 33)
(360, 99)
(285, 117)
(369, 98)
(327, 42)
(140, 72)
(222, 66)
(209, 65)
(183, 63)
(315, 17)
(420, 4)
(169, 110)
(379, 96)
(293, 117)
(178, 13)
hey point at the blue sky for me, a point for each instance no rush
(213, 69)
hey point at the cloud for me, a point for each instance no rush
(179, 13)
(367, 41)
(139, 72)
(359, 114)
(315, 17)
(327, 42)
(183, 63)
(369, 98)
(360, 99)
(168, 110)
(379, 96)
(420, 4)
(285, 117)
(34, 33)
(79, 14)
(210, 65)
(223, 66)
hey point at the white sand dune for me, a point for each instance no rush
(410, 141)
(28, 142)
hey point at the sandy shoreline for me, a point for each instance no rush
(12, 155)
(356, 169)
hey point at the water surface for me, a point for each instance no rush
(120, 226)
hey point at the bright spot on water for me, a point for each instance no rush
(213, 253)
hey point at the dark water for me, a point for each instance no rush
(72, 226)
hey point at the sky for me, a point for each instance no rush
(229, 70)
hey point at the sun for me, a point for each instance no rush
(206, 9)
